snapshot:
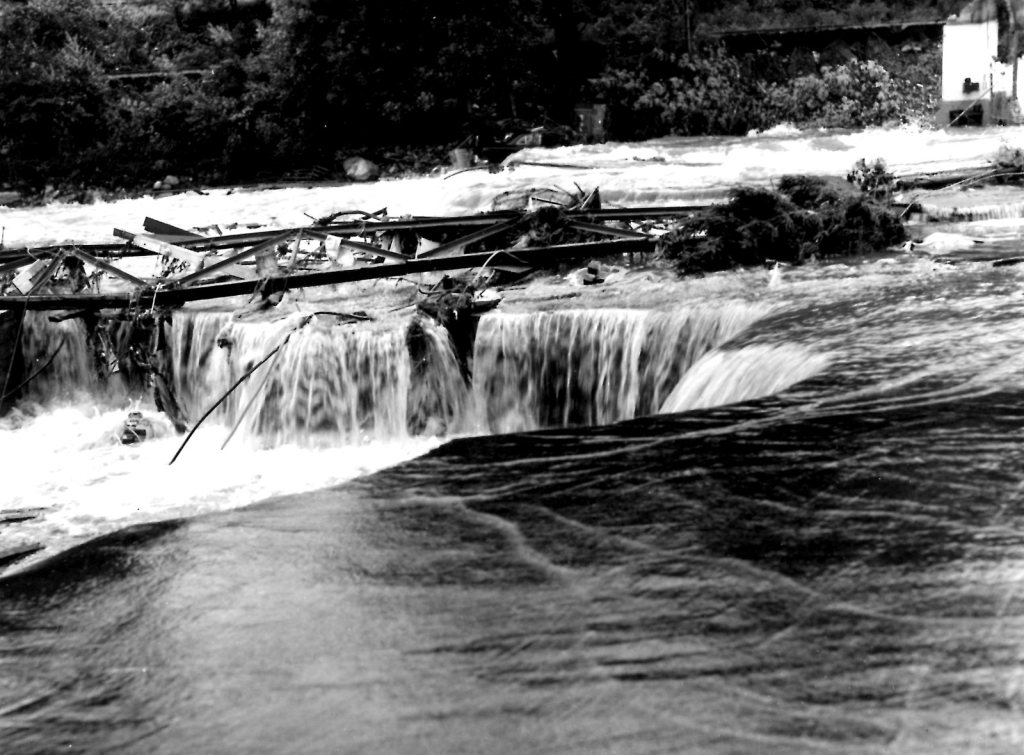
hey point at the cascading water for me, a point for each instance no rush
(347, 384)
(976, 212)
(70, 369)
(734, 375)
(329, 383)
(590, 367)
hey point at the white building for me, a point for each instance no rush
(980, 56)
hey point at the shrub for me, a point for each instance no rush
(805, 217)
(716, 93)
(853, 95)
(693, 95)
(52, 88)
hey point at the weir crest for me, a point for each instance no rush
(327, 383)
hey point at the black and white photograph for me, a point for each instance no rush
(585, 377)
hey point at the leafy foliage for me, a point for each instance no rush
(716, 93)
(857, 94)
(803, 218)
(290, 83)
(690, 95)
(341, 77)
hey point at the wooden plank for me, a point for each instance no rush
(177, 296)
(160, 228)
(36, 281)
(168, 231)
(159, 246)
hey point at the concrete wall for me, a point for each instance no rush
(968, 51)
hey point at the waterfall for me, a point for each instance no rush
(968, 213)
(729, 376)
(351, 383)
(60, 356)
(335, 384)
(342, 383)
(590, 367)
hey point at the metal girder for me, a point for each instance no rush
(182, 295)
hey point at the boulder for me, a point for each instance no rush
(361, 169)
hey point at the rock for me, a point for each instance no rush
(361, 169)
(171, 181)
(594, 274)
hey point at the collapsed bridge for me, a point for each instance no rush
(127, 312)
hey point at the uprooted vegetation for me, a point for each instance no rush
(802, 218)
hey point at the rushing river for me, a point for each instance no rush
(758, 512)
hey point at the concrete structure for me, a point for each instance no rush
(981, 48)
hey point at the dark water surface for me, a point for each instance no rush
(839, 568)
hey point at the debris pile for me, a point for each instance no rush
(126, 292)
(875, 180)
(803, 218)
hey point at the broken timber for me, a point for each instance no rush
(172, 297)
(357, 228)
(197, 268)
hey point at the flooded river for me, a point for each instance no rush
(764, 511)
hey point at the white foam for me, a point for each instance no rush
(658, 172)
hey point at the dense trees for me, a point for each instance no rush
(297, 82)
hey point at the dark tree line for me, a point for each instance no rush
(290, 83)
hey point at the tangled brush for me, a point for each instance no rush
(804, 217)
